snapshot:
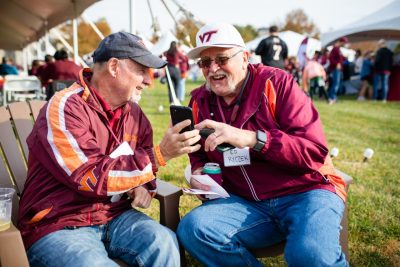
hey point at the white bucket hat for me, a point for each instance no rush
(216, 35)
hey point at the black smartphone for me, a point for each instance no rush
(181, 113)
(205, 132)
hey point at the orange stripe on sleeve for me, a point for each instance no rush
(122, 181)
(269, 92)
(64, 145)
(40, 215)
(195, 111)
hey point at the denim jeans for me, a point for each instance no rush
(221, 232)
(336, 78)
(181, 89)
(132, 237)
(381, 81)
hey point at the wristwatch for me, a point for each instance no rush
(261, 140)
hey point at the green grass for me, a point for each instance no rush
(374, 196)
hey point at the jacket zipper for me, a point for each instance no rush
(245, 175)
(247, 178)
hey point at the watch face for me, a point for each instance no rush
(261, 140)
(261, 136)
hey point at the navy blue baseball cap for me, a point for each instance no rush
(123, 45)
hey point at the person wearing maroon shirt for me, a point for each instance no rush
(173, 56)
(92, 162)
(335, 69)
(279, 176)
(61, 69)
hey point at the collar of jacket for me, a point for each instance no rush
(89, 97)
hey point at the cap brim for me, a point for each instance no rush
(150, 61)
(195, 52)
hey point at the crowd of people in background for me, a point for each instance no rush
(55, 68)
(52, 68)
(323, 76)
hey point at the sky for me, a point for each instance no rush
(326, 14)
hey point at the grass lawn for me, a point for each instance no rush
(351, 126)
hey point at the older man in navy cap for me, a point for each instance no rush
(94, 162)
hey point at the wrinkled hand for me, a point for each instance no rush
(225, 133)
(175, 144)
(141, 198)
(197, 185)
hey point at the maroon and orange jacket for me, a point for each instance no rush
(294, 159)
(71, 177)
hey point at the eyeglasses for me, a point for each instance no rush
(205, 63)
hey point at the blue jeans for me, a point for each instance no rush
(381, 81)
(336, 78)
(181, 89)
(132, 237)
(221, 232)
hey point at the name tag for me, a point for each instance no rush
(237, 157)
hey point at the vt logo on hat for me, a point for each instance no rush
(207, 35)
(216, 35)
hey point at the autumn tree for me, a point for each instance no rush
(88, 40)
(248, 32)
(298, 21)
(186, 28)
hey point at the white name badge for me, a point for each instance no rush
(237, 157)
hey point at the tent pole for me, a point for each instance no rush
(94, 27)
(132, 19)
(37, 47)
(46, 38)
(75, 33)
(68, 46)
(25, 59)
(75, 39)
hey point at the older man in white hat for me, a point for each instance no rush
(267, 138)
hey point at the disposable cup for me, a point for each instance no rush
(6, 196)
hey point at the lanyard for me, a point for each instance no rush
(237, 104)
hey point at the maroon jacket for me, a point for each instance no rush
(335, 58)
(61, 70)
(71, 177)
(291, 160)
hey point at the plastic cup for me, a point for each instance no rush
(6, 196)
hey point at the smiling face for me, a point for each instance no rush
(133, 78)
(128, 80)
(119, 81)
(225, 79)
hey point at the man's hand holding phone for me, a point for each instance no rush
(222, 136)
(175, 143)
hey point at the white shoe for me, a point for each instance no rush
(332, 101)
(361, 98)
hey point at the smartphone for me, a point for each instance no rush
(205, 132)
(181, 113)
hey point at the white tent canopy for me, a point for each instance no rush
(384, 23)
(293, 41)
(25, 21)
(163, 43)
